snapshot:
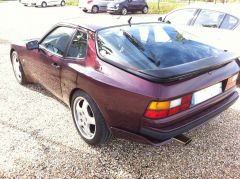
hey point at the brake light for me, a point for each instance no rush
(89, 1)
(159, 110)
(231, 82)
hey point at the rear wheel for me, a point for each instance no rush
(44, 4)
(145, 10)
(124, 11)
(17, 68)
(95, 9)
(88, 119)
(63, 3)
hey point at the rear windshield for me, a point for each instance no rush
(151, 46)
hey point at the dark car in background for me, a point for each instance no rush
(125, 6)
(148, 82)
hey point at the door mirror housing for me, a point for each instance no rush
(32, 45)
(160, 19)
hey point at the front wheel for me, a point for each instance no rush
(44, 4)
(124, 11)
(63, 3)
(145, 10)
(88, 119)
(95, 9)
(17, 68)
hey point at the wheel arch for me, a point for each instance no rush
(105, 116)
(11, 51)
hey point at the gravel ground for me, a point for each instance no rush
(38, 139)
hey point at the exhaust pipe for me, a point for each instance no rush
(182, 139)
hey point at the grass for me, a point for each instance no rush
(72, 2)
(164, 7)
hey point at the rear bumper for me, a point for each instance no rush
(158, 137)
(191, 123)
(86, 7)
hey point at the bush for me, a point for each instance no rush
(164, 7)
(72, 2)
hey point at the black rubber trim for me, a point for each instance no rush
(167, 135)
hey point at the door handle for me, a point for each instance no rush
(55, 65)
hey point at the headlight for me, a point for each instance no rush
(117, 5)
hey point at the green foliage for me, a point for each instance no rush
(72, 2)
(164, 7)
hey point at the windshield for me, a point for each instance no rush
(151, 46)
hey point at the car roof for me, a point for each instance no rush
(232, 9)
(94, 24)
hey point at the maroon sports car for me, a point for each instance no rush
(148, 82)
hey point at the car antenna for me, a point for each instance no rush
(129, 21)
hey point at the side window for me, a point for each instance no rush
(78, 47)
(181, 17)
(229, 22)
(208, 18)
(58, 40)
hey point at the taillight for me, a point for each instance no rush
(159, 110)
(231, 82)
(89, 1)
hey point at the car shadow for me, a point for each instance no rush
(40, 89)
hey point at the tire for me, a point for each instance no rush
(145, 10)
(17, 68)
(88, 119)
(63, 3)
(95, 9)
(124, 11)
(84, 10)
(44, 4)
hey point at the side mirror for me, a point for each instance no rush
(160, 19)
(32, 45)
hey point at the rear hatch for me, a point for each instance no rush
(158, 52)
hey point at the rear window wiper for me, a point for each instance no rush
(140, 46)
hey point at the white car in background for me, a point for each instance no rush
(216, 23)
(94, 6)
(219, 16)
(43, 3)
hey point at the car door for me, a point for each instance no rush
(48, 59)
(181, 16)
(75, 59)
(103, 4)
(133, 5)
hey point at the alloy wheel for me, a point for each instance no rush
(145, 10)
(124, 11)
(16, 66)
(95, 9)
(84, 118)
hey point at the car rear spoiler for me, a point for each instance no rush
(188, 70)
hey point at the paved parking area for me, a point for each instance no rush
(38, 137)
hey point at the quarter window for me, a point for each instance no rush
(229, 22)
(58, 40)
(208, 18)
(78, 47)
